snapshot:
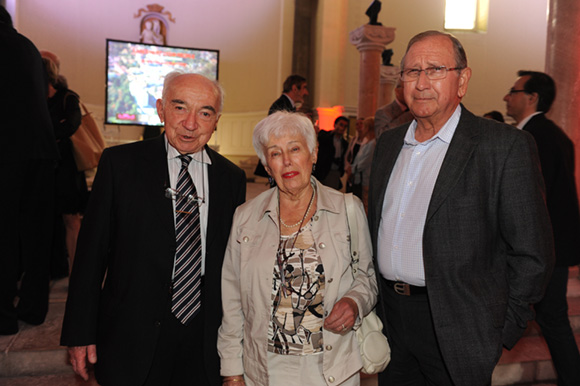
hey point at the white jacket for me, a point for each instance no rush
(247, 281)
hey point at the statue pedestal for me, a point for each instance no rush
(389, 77)
(370, 41)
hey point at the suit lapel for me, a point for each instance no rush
(156, 173)
(215, 197)
(460, 150)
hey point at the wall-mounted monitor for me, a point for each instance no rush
(135, 73)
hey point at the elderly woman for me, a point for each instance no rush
(290, 299)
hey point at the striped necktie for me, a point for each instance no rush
(186, 299)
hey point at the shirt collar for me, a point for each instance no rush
(200, 156)
(445, 134)
(324, 201)
(527, 119)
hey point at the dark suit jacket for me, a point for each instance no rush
(128, 234)
(487, 245)
(282, 103)
(326, 152)
(556, 152)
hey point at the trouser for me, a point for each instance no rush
(26, 226)
(552, 316)
(416, 358)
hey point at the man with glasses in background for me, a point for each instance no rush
(527, 102)
(460, 230)
(144, 302)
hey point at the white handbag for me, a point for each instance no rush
(374, 346)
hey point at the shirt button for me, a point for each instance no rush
(157, 323)
(315, 218)
(330, 280)
(331, 379)
(246, 239)
(322, 245)
(328, 348)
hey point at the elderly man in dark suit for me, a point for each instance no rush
(144, 299)
(28, 156)
(460, 229)
(527, 102)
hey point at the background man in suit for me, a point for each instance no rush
(459, 226)
(394, 114)
(294, 90)
(528, 100)
(129, 236)
(331, 150)
(27, 161)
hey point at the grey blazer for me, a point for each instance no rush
(487, 241)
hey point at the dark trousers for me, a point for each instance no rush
(179, 356)
(552, 316)
(26, 223)
(416, 359)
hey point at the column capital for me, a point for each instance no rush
(390, 74)
(372, 37)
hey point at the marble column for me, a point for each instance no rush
(389, 77)
(563, 64)
(370, 40)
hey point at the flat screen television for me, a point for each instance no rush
(135, 73)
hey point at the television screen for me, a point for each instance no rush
(135, 73)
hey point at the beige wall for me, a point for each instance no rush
(255, 42)
(516, 39)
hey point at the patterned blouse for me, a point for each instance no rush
(297, 297)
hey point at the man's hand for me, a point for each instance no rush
(342, 317)
(79, 356)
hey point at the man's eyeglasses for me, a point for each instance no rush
(512, 91)
(433, 73)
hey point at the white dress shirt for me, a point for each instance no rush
(198, 172)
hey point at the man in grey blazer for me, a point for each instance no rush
(460, 230)
(394, 114)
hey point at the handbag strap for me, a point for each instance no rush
(352, 227)
(84, 109)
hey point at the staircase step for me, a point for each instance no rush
(529, 362)
(48, 380)
(35, 350)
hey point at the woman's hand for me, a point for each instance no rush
(342, 317)
(234, 380)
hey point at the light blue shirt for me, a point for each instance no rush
(198, 171)
(400, 237)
